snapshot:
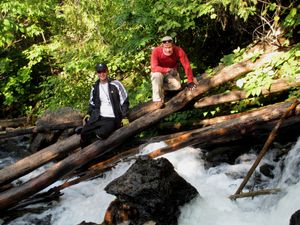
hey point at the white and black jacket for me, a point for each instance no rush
(118, 97)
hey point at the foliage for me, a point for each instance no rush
(49, 48)
(23, 28)
(285, 66)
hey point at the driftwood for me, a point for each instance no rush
(202, 137)
(276, 86)
(8, 133)
(37, 159)
(141, 110)
(37, 129)
(97, 149)
(193, 124)
(16, 122)
(255, 193)
(265, 113)
(266, 147)
(229, 130)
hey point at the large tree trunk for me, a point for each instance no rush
(17, 122)
(8, 133)
(14, 195)
(140, 110)
(276, 86)
(37, 159)
(38, 129)
(238, 128)
(233, 129)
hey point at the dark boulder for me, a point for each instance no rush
(267, 170)
(150, 190)
(88, 223)
(54, 126)
(295, 218)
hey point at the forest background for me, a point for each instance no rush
(49, 48)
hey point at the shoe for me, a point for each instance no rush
(99, 138)
(158, 104)
(78, 129)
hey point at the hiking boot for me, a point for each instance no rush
(158, 104)
(78, 129)
(99, 138)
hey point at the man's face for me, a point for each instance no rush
(102, 76)
(168, 48)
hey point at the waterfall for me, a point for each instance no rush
(88, 200)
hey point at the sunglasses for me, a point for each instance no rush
(169, 41)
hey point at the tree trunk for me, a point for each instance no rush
(277, 86)
(263, 115)
(16, 122)
(255, 193)
(227, 131)
(37, 159)
(38, 129)
(97, 149)
(140, 110)
(8, 133)
(203, 138)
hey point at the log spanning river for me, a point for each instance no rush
(87, 201)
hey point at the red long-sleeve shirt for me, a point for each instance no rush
(161, 63)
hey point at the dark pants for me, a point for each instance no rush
(100, 129)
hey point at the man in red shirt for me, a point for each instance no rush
(164, 74)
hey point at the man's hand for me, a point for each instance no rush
(86, 119)
(191, 86)
(172, 71)
(125, 121)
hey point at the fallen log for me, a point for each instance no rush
(16, 132)
(16, 122)
(236, 128)
(276, 86)
(97, 149)
(194, 124)
(202, 138)
(38, 129)
(255, 193)
(264, 116)
(37, 159)
(140, 110)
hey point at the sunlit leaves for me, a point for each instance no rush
(59, 42)
(293, 18)
(285, 66)
(16, 86)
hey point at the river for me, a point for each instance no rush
(88, 200)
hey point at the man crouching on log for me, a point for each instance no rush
(109, 104)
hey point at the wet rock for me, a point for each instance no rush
(267, 170)
(62, 115)
(295, 218)
(88, 223)
(42, 140)
(150, 190)
(12, 149)
(65, 117)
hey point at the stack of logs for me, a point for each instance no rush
(203, 134)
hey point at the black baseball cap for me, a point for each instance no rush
(101, 67)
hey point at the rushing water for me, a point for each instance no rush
(88, 200)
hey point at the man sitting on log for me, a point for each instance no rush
(109, 104)
(164, 74)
